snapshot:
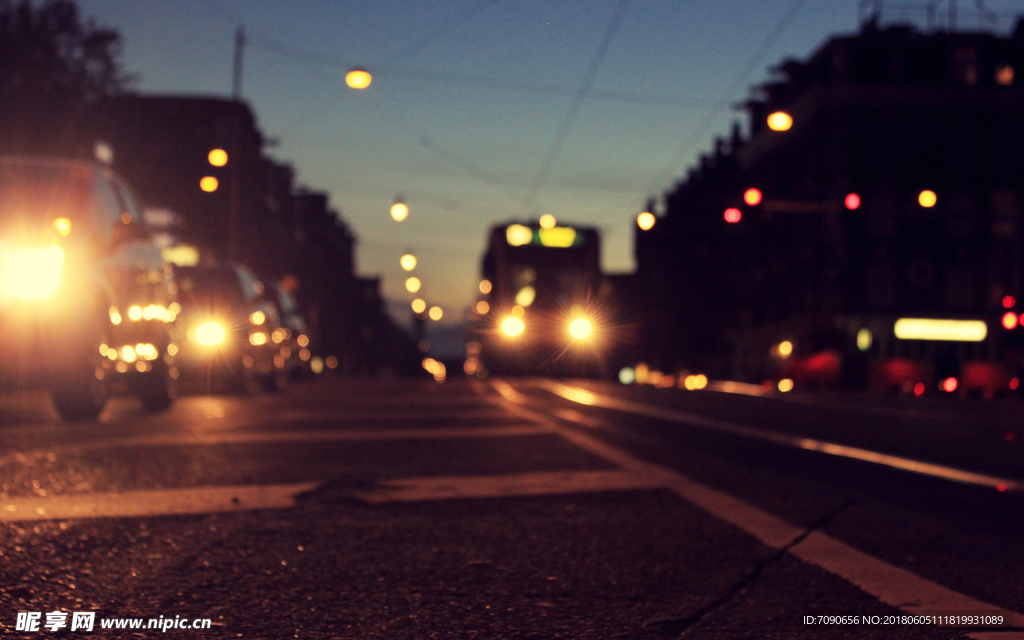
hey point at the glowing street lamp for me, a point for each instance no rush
(358, 78)
(217, 157)
(436, 313)
(419, 305)
(927, 198)
(547, 221)
(413, 284)
(408, 262)
(780, 121)
(399, 211)
(209, 184)
(646, 220)
(752, 197)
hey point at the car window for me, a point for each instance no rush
(199, 287)
(31, 193)
(108, 206)
(128, 200)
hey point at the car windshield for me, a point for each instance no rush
(199, 287)
(40, 192)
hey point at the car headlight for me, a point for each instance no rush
(512, 326)
(580, 328)
(32, 274)
(210, 334)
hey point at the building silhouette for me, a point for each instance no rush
(884, 115)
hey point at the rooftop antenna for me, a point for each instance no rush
(864, 15)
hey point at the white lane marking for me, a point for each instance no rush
(504, 486)
(387, 413)
(588, 398)
(890, 584)
(133, 504)
(231, 437)
(894, 586)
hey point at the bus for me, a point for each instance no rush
(544, 306)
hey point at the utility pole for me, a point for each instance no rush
(236, 76)
(235, 197)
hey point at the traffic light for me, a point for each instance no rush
(852, 201)
(733, 215)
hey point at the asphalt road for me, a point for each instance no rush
(516, 509)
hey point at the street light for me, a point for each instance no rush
(209, 184)
(780, 121)
(646, 220)
(399, 211)
(413, 284)
(436, 313)
(419, 305)
(217, 157)
(358, 78)
(408, 262)
(547, 221)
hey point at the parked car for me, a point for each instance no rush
(85, 296)
(292, 338)
(227, 325)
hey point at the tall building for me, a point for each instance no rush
(895, 191)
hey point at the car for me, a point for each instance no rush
(227, 326)
(85, 296)
(292, 338)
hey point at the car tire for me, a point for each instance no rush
(156, 388)
(79, 380)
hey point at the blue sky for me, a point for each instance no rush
(466, 157)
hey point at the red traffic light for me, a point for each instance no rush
(852, 201)
(1008, 302)
(752, 197)
(949, 385)
(1010, 320)
(733, 215)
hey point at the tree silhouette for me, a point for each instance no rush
(53, 63)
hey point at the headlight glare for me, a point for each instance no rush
(32, 274)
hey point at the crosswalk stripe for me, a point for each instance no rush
(504, 486)
(132, 504)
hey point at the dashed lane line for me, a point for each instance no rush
(581, 396)
(134, 504)
(896, 587)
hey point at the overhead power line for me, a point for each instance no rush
(577, 103)
(727, 96)
(471, 80)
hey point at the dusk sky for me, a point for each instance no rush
(466, 156)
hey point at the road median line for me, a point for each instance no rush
(891, 585)
(921, 467)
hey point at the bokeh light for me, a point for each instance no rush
(646, 220)
(217, 157)
(780, 121)
(358, 78)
